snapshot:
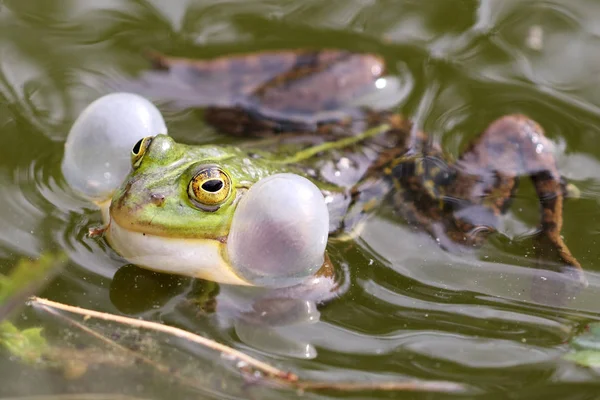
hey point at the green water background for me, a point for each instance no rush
(413, 311)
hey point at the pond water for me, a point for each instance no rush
(412, 310)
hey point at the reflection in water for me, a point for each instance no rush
(250, 82)
(20, 223)
(412, 310)
(507, 281)
(134, 290)
(256, 314)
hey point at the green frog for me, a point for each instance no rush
(259, 213)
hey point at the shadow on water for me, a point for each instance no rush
(412, 310)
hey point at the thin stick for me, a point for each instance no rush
(99, 336)
(76, 396)
(278, 376)
(416, 386)
(159, 367)
(138, 323)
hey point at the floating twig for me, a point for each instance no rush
(108, 341)
(180, 333)
(76, 396)
(272, 375)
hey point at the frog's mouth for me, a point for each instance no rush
(277, 238)
(199, 258)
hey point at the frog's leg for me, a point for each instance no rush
(264, 93)
(387, 150)
(487, 174)
(203, 297)
(419, 186)
(459, 203)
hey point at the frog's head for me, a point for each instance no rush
(217, 213)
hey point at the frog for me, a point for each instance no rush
(175, 211)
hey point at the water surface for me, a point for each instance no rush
(412, 310)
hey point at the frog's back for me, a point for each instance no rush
(300, 86)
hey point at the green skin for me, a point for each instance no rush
(166, 171)
(153, 209)
(154, 197)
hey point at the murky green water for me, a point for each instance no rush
(412, 311)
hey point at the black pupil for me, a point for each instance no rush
(213, 185)
(137, 146)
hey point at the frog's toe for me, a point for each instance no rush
(449, 240)
(572, 191)
(575, 275)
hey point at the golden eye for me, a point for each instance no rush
(138, 151)
(209, 188)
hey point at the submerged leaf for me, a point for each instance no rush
(587, 347)
(586, 358)
(28, 345)
(27, 277)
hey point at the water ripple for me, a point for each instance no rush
(412, 310)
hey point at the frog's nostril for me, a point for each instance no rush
(157, 199)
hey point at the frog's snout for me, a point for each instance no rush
(279, 231)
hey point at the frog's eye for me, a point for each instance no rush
(138, 151)
(209, 188)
